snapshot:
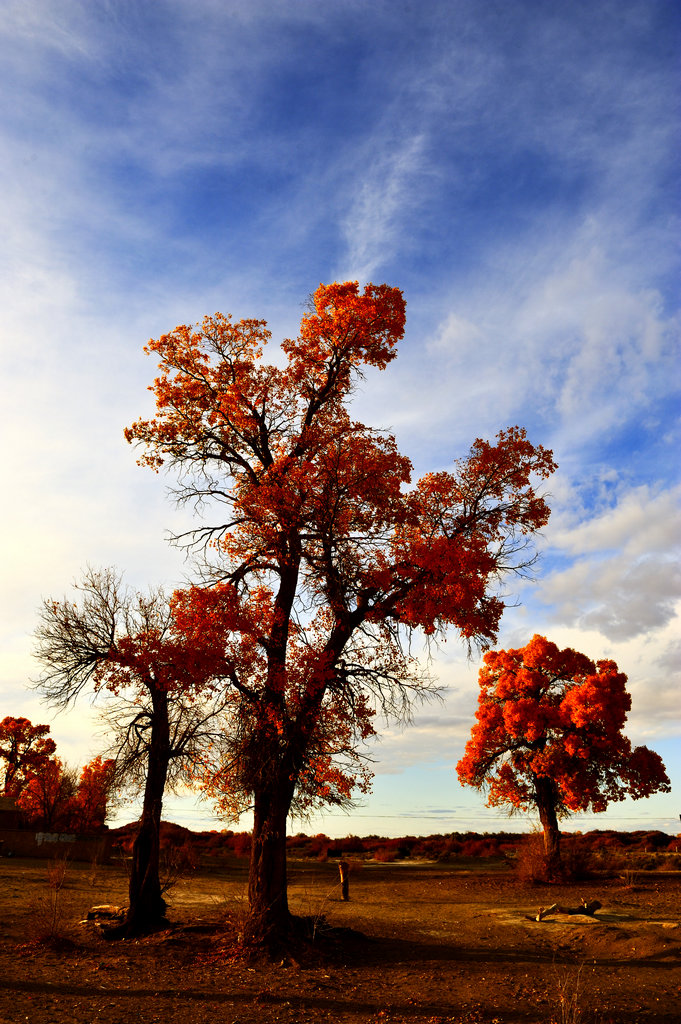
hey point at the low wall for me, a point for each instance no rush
(24, 843)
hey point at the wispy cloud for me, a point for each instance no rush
(387, 196)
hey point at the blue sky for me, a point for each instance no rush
(512, 167)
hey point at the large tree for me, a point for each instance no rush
(331, 558)
(549, 738)
(157, 689)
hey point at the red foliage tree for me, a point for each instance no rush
(46, 801)
(549, 737)
(48, 794)
(327, 557)
(24, 750)
(91, 801)
(56, 800)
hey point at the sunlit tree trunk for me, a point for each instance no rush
(546, 798)
(147, 907)
(269, 919)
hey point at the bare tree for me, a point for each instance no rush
(156, 686)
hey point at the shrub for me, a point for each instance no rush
(350, 844)
(241, 844)
(176, 862)
(48, 922)
(577, 862)
(531, 864)
(385, 854)
(609, 860)
(487, 847)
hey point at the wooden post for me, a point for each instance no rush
(344, 869)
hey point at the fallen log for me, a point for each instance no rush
(589, 908)
(106, 912)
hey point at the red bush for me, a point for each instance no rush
(241, 844)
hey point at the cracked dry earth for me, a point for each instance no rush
(416, 944)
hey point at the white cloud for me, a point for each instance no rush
(644, 521)
(386, 197)
(42, 25)
(559, 332)
(624, 579)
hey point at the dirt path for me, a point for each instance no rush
(415, 945)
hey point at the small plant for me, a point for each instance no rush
(47, 915)
(56, 873)
(95, 865)
(234, 916)
(569, 994)
(177, 861)
(572, 1008)
(630, 878)
(530, 862)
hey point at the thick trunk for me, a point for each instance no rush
(146, 905)
(546, 805)
(269, 920)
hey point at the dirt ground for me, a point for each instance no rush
(416, 944)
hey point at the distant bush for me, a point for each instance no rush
(488, 847)
(385, 854)
(599, 851)
(577, 861)
(177, 860)
(531, 863)
(241, 844)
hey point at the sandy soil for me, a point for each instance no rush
(425, 944)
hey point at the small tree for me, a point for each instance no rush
(90, 805)
(48, 793)
(157, 682)
(46, 801)
(549, 737)
(329, 559)
(24, 750)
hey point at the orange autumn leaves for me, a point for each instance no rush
(460, 528)
(54, 800)
(48, 794)
(24, 749)
(550, 714)
(345, 329)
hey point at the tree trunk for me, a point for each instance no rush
(269, 920)
(147, 907)
(546, 805)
